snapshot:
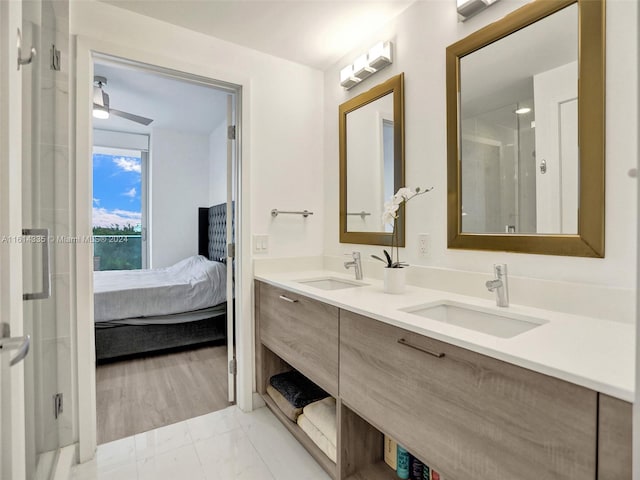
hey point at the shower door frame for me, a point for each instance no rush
(12, 381)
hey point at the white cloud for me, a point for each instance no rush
(128, 164)
(106, 218)
(131, 193)
(96, 201)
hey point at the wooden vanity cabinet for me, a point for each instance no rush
(465, 414)
(301, 331)
(614, 438)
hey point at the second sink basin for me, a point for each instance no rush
(498, 324)
(331, 283)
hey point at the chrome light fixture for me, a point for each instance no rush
(378, 57)
(468, 8)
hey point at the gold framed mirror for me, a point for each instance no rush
(525, 132)
(371, 134)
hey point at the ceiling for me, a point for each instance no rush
(172, 104)
(316, 33)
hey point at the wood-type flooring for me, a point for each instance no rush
(140, 394)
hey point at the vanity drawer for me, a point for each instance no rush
(466, 414)
(302, 331)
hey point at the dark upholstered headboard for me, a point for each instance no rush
(212, 235)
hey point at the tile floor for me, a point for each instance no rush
(223, 445)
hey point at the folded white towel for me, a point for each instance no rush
(322, 414)
(317, 437)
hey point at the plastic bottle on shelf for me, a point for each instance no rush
(416, 468)
(403, 463)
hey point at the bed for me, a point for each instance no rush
(142, 311)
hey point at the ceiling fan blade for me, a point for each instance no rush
(98, 98)
(131, 116)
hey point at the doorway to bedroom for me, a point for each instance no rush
(164, 188)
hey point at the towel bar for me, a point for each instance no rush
(275, 212)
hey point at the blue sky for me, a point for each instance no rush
(116, 190)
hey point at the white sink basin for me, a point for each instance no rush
(499, 324)
(331, 283)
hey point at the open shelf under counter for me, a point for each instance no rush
(374, 471)
(361, 448)
(325, 462)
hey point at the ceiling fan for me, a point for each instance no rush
(101, 107)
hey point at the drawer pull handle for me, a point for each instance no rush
(287, 299)
(402, 341)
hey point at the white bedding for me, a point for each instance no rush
(191, 284)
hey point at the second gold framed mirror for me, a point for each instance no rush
(525, 132)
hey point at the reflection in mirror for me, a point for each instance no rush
(518, 130)
(525, 137)
(371, 162)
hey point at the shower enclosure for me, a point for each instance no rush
(499, 170)
(38, 397)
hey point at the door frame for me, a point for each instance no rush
(86, 48)
(12, 381)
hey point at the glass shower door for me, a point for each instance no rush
(46, 235)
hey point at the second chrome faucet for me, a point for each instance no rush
(500, 285)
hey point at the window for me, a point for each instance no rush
(119, 208)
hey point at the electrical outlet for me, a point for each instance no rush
(261, 244)
(424, 241)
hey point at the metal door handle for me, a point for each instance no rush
(32, 52)
(46, 264)
(21, 344)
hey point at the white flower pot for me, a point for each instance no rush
(394, 280)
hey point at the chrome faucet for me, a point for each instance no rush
(356, 263)
(500, 285)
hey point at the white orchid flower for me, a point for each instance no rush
(390, 213)
(396, 200)
(390, 216)
(391, 206)
(404, 194)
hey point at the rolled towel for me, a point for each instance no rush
(322, 414)
(297, 389)
(317, 437)
(283, 404)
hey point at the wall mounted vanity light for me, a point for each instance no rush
(468, 8)
(378, 57)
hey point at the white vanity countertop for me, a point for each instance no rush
(594, 353)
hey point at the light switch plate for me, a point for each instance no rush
(260, 244)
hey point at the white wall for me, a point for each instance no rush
(218, 165)
(420, 36)
(282, 129)
(179, 182)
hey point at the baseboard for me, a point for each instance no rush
(45, 465)
(257, 401)
(64, 461)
